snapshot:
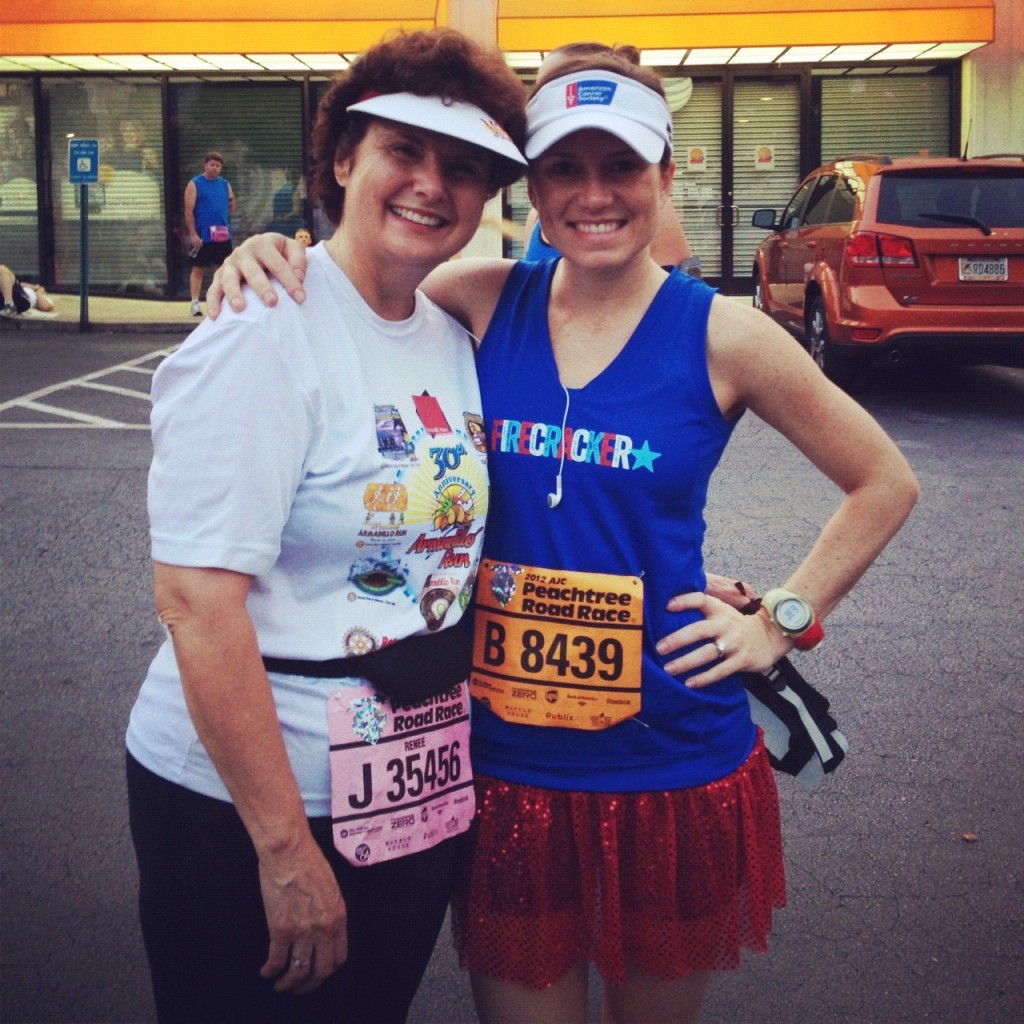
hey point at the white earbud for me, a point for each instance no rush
(555, 498)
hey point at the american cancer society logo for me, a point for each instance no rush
(579, 94)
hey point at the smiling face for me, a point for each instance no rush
(597, 198)
(412, 195)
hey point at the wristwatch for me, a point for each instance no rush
(794, 617)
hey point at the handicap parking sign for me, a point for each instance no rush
(83, 161)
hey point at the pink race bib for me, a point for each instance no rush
(220, 233)
(400, 776)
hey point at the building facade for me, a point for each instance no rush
(757, 102)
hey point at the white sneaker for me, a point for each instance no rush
(8, 309)
(196, 311)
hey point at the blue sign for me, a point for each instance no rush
(83, 161)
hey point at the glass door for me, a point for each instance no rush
(765, 165)
(697, 186)
(737, 144)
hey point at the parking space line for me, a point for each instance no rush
(113, 389)
(71, 414)
(72, 419)
(112, 425)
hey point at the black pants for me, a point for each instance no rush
(206, 934)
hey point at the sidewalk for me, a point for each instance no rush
(108, 314)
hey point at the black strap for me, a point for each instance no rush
(334, 668)
(407, 671)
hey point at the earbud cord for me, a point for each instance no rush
(561, 461)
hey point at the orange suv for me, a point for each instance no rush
(878, 260)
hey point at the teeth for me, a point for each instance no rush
(598, 229)
(417, 218)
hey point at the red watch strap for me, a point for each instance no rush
(810, 637)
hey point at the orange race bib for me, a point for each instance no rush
(557, 648)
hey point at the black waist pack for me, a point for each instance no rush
(801, 737)
(407, 672)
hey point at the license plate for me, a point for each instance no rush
(984, 269)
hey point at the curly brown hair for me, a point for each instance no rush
(587, 57)
(587, 49)
(439, 62)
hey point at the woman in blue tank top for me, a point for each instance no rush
(628, 814)
(629, 818)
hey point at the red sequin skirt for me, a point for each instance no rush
(670, 882)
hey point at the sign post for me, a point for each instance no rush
(84, 170)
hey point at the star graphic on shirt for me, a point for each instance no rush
(645, 457)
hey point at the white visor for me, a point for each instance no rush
(446, 117)
(599, 99)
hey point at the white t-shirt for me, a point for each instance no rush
(339, 459)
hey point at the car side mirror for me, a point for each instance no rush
(765, 219)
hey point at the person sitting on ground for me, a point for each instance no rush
(19, 296)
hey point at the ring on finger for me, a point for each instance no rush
(297, 964)
(720, 647)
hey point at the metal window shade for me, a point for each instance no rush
(518, 208)
(900, 116)
(697, 186)
(19, 205)
(766, 156)
(258, 128)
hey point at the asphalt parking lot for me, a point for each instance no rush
(905, 868)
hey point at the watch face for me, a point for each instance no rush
(793, 615)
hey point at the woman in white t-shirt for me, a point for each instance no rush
(298, 764)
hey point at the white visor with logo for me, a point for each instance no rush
(599, 99)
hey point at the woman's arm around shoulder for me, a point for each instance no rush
(254, 262)
(468, 289)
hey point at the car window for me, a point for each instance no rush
(791, 217)
(816, 211)
(995, 200)
(844, 202)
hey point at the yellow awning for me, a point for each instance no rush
(690, 24)
(205, 26)
(62, 27)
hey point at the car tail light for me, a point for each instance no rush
(896, 251)
(871, 249)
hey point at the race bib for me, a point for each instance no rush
(557, 648)
(219, 233)
(400, 776)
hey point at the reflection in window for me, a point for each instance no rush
(127, 248)
(844, 202)
(791, 218)
(19, 216)
(817, 205)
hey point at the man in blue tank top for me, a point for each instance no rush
(209, 203)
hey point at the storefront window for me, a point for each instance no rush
(257, 127)
(126, 207)
(899, 115)
(19, 213)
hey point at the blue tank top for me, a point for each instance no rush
(538, 249)
(213, 204)
(646, 435)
